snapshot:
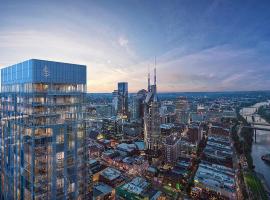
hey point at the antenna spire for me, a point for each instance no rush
(155, 72)
(148, 80)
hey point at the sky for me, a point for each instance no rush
(199, 45)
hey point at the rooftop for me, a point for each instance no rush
(136, 186)
(213, 176)
(172, 139)
(101, 189)
(111, 173)
(127, 147)
(140, 145)
(167, 126)
(36, 71)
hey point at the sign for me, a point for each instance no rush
(46, 71)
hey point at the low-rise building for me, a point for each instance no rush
(102, 191)
(96, 167)
(131, 164)
(218, 150)
(178, 175)
(111, 176)
(216, 178)
(128, 148)
(138, 188)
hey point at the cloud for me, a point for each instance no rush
(123, 41)
(197, 47)
(223, 67)
(105, 63)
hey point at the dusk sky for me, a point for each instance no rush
(218, 45)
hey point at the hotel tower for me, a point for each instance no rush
(42, 140)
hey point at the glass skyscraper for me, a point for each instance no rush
(43, 153)
(123, 98)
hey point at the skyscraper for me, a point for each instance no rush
(152, 132)
(181, 110)
(122, 99)
(43, 131)
(137, 111)
(115, 102)
(172, 148)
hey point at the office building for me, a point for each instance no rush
(43, 153)
(181, 110)
(122, 108)
(172, 148)
(137, 112)
(152, 132)
(115, 102)
(194, 134)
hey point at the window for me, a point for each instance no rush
(60, 139)
(60, 156)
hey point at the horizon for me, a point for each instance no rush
(225, 91)
(217, 46)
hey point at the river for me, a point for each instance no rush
(262, 146)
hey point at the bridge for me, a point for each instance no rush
(258, 126)
(255, 122)
(249, 114)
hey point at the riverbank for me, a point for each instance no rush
(265, 184)
(264, 112)
(255, 185)
(256, 182)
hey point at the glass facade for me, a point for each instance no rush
(43, 153)
(123, 98)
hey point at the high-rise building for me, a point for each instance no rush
(43, 152)
(195, 134)
(181, 110)
(172, 148)
(115, 102)
(152, 132)
(123, 98)
(137, 111)
(120, 100)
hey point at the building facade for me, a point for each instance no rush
(152, 131)
(122, 99)
(137, 111)
(43, 153)
(172, 148)
(181, 110)
(115, 102)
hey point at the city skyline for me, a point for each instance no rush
(210, 46)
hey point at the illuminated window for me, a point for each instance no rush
(60, 156)
(60, 139)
